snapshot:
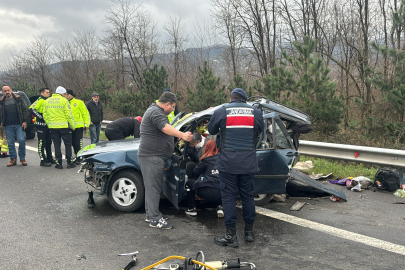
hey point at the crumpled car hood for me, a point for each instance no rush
(109, 147)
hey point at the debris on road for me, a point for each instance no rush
(82, 256)
(297, 206)
(400, 193)
(334, 199)
(302, 166)
(279, 197)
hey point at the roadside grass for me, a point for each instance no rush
(102, 135)
(340, 169)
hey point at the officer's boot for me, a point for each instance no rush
(45, 164)
(90, 200)
(229, 239)
(249, 235)
(51, 160)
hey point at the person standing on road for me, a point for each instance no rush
(13, 118)
(123, 127)
(59, 118)
(82, 121)
(239, 125)
(96, 117)
(43, 132)
(155, 149)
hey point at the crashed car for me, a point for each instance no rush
(113, 168)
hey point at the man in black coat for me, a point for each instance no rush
(123, 127)
(96, 117)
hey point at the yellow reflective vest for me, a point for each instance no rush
(80, 113)
(57, 113)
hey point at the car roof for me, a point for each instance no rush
(284, 112)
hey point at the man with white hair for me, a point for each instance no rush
(59, 119)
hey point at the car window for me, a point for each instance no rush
(282, 140)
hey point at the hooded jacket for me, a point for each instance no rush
(207, 173)
(21, 108)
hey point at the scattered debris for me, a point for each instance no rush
(82, 256)
(399, 202)
(307, 165)
(400, 193)
(297, 206)
(279, 197)
(334, 199)
(319, 176)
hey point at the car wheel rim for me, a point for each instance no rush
(259, 197)
(124, 191)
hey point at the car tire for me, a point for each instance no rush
(30, 135)
(126, 191)
(262, 199)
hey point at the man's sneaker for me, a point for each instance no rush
(58, 166)
(160, 224)
(163, 216)
(45, 164)
(191, 212)
(71, 165)
(220, 211)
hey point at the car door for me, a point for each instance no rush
(174, 174)
(275, 156)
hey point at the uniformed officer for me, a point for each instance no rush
(59, 118)
(82, 121)
(43, 132)
(239, 125)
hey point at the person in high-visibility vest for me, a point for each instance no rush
(3, 143)
(82, 121)
(173, 113)
(43, 132)
(59, 118)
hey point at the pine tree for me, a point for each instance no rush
(208, 91)
(307, 78)
(101, 85)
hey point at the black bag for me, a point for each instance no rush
(387, 179)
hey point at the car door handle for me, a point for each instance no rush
(289, 154)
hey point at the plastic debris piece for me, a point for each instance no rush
(297, 206)
(334, 199)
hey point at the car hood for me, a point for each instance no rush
(109, 147)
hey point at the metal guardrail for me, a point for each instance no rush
(354, 153)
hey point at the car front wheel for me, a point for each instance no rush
(262, 199)
(126, 191)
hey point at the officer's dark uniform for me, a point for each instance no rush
(239, 125)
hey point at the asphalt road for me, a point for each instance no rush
(45, 224)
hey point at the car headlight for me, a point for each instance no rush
(98, 166)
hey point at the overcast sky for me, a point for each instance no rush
(58, 19)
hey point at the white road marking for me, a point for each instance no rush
(366, 240)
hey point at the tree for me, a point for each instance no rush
(310, 89)
(208, 91)
(101, 86)
(152, 83)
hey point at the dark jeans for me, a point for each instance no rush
(44, 143)
(11, 132)
(230, 184)
(95, 133)
(113, 135)
(66, 135)
(208, 194)
(77, 139)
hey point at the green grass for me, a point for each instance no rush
(102, 135)
(340, 169)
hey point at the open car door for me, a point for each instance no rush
(275, 156)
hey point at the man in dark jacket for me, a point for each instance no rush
(239, 124)
(96, 117)
(14, 117)
(123, 127)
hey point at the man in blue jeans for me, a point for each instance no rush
(14, 117)
(96, 117)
